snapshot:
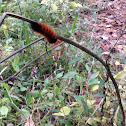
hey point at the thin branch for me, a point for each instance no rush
(16, 16)
(1, 61)
(13, 76)
(105, 65)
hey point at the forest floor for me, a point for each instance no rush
(110, 27)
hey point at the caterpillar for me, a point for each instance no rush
(38, 27)
(44, 30)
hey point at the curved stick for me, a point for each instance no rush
(12, 77)
(1, 61)
(105, 65)
(16, 16)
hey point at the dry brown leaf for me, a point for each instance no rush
(29, 122)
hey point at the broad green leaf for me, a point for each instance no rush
(36, 94)
(87, 67)
(4, 110)
(70, 74)
(78, 97)
(23, 88)
(46, 82)
(75, 60)
(6, 32)
(94, 75)
(93, 81)
(59, 75)
(56, 90)
(16, 60)
(67, 123)
(16, 67)
(50, 95)
(44, 91)
(99, 95)
(61, 98)
(101, 83)
(25, 112)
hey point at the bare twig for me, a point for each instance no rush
(1, 61)
(16, 16)
(13, 76)
(105, 65)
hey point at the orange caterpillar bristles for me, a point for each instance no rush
(45, 30)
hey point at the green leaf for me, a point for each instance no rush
(93, 81)
(23, 88)
(61, 98)
(44, 91)
(63, 121)
(46, 82)
(101, 83)
(4, 110)
(77, 97)
(56, 90)
(75, 60)
(45, 118)
(6, 32)
(87, 67)
(67, 92)
(8, 41)
(70, 74)
(16, 67)
(50, 95)
(85, 107)
(17, 98)
(94, 75)
(16, 60)
(99, 95)
(25, 112)
(6, 86)
(35, 94)
(54, 7)
(59, 75)
(75, 20)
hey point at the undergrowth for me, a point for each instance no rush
(71, 80)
